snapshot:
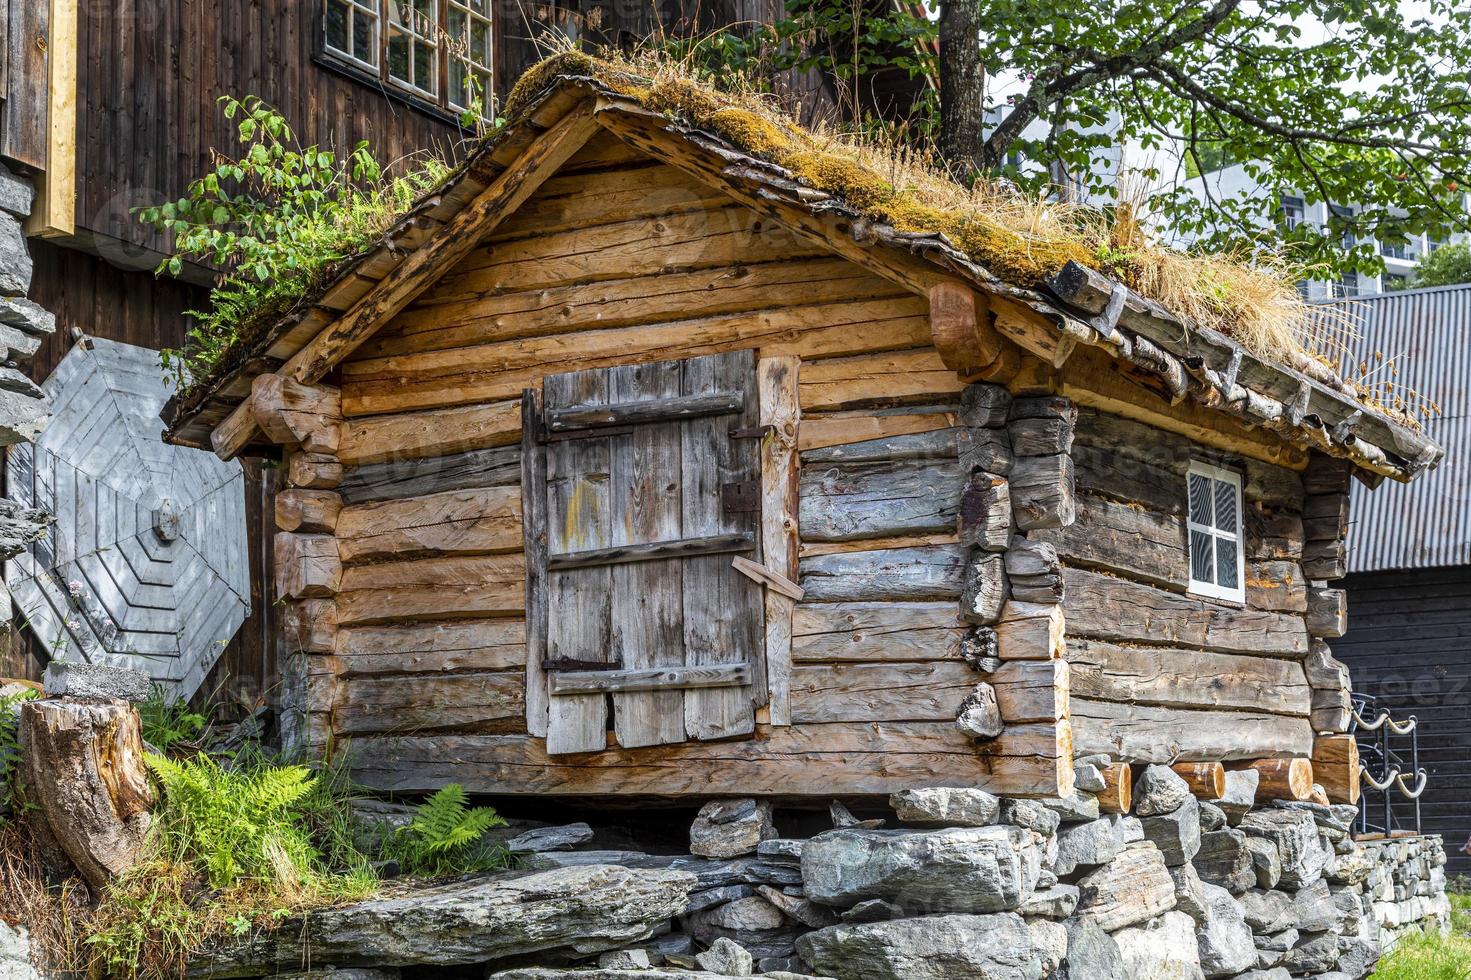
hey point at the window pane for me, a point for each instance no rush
(1227, 575)
(1200, 499)
(364, 40)
(398, 57)
(337, 24)
(1225, 506)
(424, 66)
(480, 42)
(1202, 561)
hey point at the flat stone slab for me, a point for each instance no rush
(79, 680)
(571, 973)
(585, 909)
(932, 947)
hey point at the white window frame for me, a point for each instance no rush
(470, 64)
(1213, 590)
(410, 29)
(369, 9)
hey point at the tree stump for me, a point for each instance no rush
(84, 772)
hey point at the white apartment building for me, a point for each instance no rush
(1399, 260)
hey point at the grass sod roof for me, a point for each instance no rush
(1229, 334)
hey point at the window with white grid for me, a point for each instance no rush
(470, 79)
(1214, 518)
(352, 30)
(413, 44)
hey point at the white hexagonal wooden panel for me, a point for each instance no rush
(146, 565)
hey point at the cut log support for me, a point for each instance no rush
(958, 328)
(1332, 710)
(984, 592)
(85, 775)
(1336, 767)
(309, 511)
(307, 566)
(985, 406)
(1327, 612)
(289, 413)
(313, 471)
(985, 512)
(1042, 492)
(1118, 788)
(1207, 780)
(1032, 690)
(1030, 631)
(1281, 779)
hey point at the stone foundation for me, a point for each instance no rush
(950, 884)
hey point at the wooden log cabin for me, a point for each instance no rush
(630, 463)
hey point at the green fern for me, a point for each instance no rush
(446, 835)
(10, 749)
(237, 826)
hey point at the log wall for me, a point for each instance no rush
(982, 571)
(1159, 675)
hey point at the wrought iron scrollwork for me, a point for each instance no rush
(1385, 770)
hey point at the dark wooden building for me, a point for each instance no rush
(1409, 630)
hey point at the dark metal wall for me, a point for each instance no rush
(1409, 643)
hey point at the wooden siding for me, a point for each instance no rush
(1409, 642)
(149, 75)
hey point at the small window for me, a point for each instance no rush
(413, 32)
(436, 53)
(470, 52)
(352, 30)
(1293, 210)
(1214, 521)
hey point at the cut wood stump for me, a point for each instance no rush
(1207, 780)
(1282, 779)
(1118, 788)
(84, 772)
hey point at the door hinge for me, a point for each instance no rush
(752, 432)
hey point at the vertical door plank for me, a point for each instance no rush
(578, 520)
(644, 491)
(776, 383)
(534, 535)
(722, 608)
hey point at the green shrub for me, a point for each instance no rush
(273, 220)
(167, 720)
(10, 749)
(447, 836)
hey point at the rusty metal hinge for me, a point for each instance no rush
(752, 432)
(567, 663)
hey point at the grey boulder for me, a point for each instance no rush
(1162, 949)
(583, 909)
(1295, 835)
(1224, 860)
(1176, 833)
(1224, 939)
(945, 806)
(1159, 789)
(935, 947)
(1085, 845)
(65, 678)
(1092, 953)
(731, 828)
(967, 869)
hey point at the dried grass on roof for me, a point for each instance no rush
(1022, 239)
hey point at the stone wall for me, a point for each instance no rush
(944, 884)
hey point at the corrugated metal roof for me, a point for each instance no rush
(1427, 333)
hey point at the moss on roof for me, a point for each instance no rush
(1019, 239)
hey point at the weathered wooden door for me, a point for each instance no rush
(645, 480)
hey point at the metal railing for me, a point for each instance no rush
(1383, 767)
